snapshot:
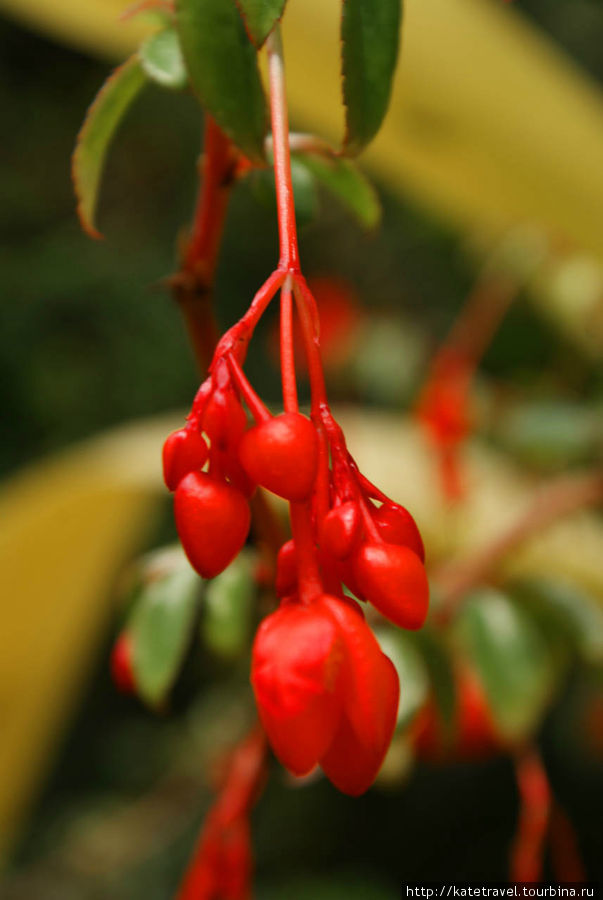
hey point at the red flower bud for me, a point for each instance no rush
(224, 420)
(213, 521)
(397, 526)
(393, 579)
(340, 530)
(296, 663)
(286, 570)
(184, 451)
(122, 671)
(370, 691)
(281, 454)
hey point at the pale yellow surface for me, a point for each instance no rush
(489, 124)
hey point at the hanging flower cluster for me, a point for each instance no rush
(326, 694)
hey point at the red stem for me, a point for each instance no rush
(256, 406)
(308, 572)
(535, 798)
(217, 169)
(289, 252)
(236, 339)
(290, 401)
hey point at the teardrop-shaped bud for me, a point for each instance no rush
(281, 454)
(340, 530)
(370, 704)
(397, 526)
(394, 580)
(224, 420)
(286, 570)
(213, 521)
(296, 663)
(184, 451)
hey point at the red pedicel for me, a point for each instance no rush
(184, 451)
(281, 454)
(213, 521)
(286, 570)
(340, 530)
(297, 657)
(371, 692)
(394, 580)
(397, 526)
(122, 671)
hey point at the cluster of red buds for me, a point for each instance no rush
(326, 693)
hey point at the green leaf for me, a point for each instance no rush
(344, 180)
(370, 36)
(571, 614)
(412, 672)
(101, 122)
(436, 657)
(511, 659)
(222, 65)
(305, 194)
(552, 434)
(161, 626)
(260, 17)
(161, 58)
(228, 609)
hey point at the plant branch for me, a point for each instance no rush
(192, 286)
(554, 501)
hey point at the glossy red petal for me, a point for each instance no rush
(297, 658)
(394, 580)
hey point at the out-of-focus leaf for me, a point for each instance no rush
(412, 672)
(161, 58)
(370, 35)
(574, 616)
(344, 180)
(304, 191)
(553, 433)
(228, 609)
(436, 657)
(511, 658)
(161, 627)
(101, 122)
(260, 17)
(223, 69)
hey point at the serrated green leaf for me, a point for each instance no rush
(101, 122)
(161, 58)
(575, 616)
(228, 609)
(370, 37)
(161, 627)
(260, 17)
(344, 180)
(411, 669)
(223, 69)
(510, 657)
